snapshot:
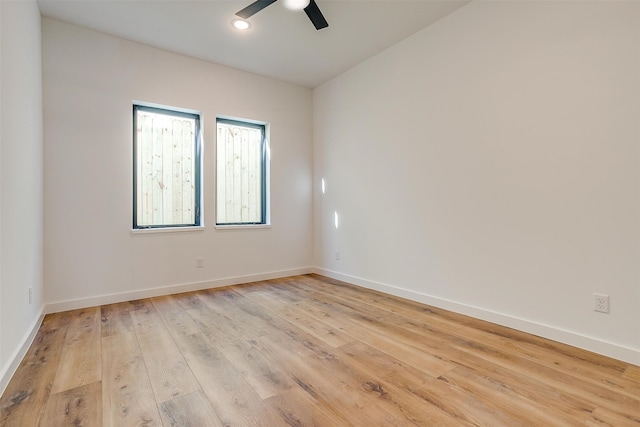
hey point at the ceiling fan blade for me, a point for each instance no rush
(254, 8)
(316, 17)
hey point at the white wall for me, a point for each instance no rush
(489, 164)
(90, 80)
(20, 180)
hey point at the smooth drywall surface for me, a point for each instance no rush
(20, 179)
(2, 361)
(90, 81)
(491, 162)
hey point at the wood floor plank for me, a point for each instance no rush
(169, 374)
(602, 417)
(366, 383)
(498, 353)
(238, 311)
(300, 318)
(363, 390)
(513, 402)
(414, 329)
(297, 408)
(431, 391)
(173, 315)
(430, 364)
(80, 358)
(190, 410)
(266, 378)
(190, 300)
(24, 400)
(316, 327)
(582, 394)
(216, 325)
(306, 351)
(233, 399)
(632, 373)
(268, 290)
(127, 397)
(407, 333)
(606, 376)
(116, 319)
(406, 309)
(320, 383)
(81, 406)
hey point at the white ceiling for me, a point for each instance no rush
(281, 43)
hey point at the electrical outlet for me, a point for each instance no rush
(199, 262)
(601, 303)
(337, 255)
(30, 295)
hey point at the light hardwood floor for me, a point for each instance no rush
(306, 351)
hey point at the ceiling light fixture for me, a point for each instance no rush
(241, 24)
(296, 4)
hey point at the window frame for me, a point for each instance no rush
(197, 206)
(264, 174)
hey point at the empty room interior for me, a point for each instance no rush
(407, 212)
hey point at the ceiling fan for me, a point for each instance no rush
(312, 10)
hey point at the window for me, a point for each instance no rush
(241, 173)
(166, 188)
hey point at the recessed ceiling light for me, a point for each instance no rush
(296, 4)
(241, 24)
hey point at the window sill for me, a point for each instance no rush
(167, 230)
(242, 227)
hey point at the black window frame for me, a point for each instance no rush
(197, 162)
(263, 170)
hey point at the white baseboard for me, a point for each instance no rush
(14, 361)
(56, 307)
(605, 348)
